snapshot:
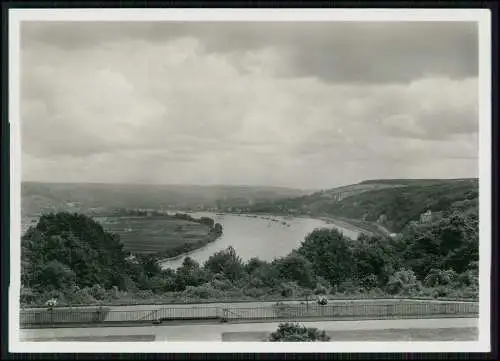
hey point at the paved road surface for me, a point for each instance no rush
(213, 332)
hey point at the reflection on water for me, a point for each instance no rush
(265, 237)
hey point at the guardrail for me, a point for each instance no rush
(347, 311)
(188, 303)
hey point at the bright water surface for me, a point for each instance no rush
(257, 236)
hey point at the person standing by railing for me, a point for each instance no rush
(50, 308)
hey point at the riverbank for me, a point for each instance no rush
(352, 227)
(187, 253)
(360, 226)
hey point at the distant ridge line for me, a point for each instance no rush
(415, 180)
(166, 185)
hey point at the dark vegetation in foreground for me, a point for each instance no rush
(72, 258)
(294, 332)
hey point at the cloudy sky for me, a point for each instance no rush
(307, 105)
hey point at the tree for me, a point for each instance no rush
(253, 264)
(330, 254)
(375, 257)
(470, 278)
(295, 267)
(189, 274)
(450, 243)
(294, 332)
(227, 263)
(404, 282)
(65, 248)
(150, 265)
(54, 276)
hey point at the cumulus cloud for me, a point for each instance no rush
(177, 103)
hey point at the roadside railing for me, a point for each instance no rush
(335, 311)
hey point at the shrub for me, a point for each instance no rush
(144, 294)
(289, 289)
(98, 292)
(321, 290)
(437, 277)
(349, 287)
(83, 296)
(27, 296)
(440, 291)
(204, 291)
(403, 282)
(221, 284)
(369, 282)
(255, 292)
(294, 332)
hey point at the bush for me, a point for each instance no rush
(375, 293)
(349, 287)
(321, 290)
(369, 282)
(256, 292)
(27, 296)
(440, 291)
(144, 294)
(98, 292)
(221, 284)
(289, 289)
(403, 282)
(204, 291)
(83, 296)
(294, 332)
(437, 277)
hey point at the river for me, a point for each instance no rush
(262, 236)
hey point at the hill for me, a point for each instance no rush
(392, 203)
(37, 198)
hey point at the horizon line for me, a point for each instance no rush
(242, 185)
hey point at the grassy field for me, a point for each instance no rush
(153, 234)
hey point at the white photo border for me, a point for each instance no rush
(481, 16)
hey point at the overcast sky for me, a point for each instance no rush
(306, 105)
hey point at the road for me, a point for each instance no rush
(214, 332)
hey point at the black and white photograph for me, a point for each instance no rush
(247, 180)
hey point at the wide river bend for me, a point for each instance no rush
(262, 236)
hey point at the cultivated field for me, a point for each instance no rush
(153, 234)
